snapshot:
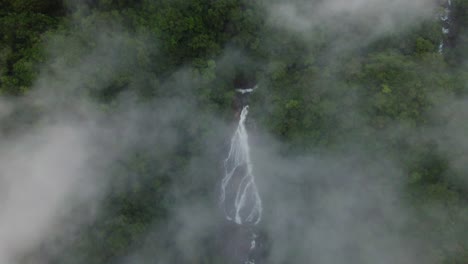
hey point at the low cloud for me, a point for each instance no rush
(355, 21)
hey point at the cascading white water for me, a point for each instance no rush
(239, 195)
(445, 19)
(248, 90)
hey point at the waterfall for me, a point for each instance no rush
(445, 20)
(239, 195)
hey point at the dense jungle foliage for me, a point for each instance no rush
(313, 97)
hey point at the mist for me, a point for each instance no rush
(354, 24)
(115, 154)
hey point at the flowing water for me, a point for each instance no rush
(239, 195)
(239, 198)
(445, 20)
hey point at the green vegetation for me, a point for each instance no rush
(381, 95)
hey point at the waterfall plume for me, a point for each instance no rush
(239, 195)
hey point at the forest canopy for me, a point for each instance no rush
(119, 113)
